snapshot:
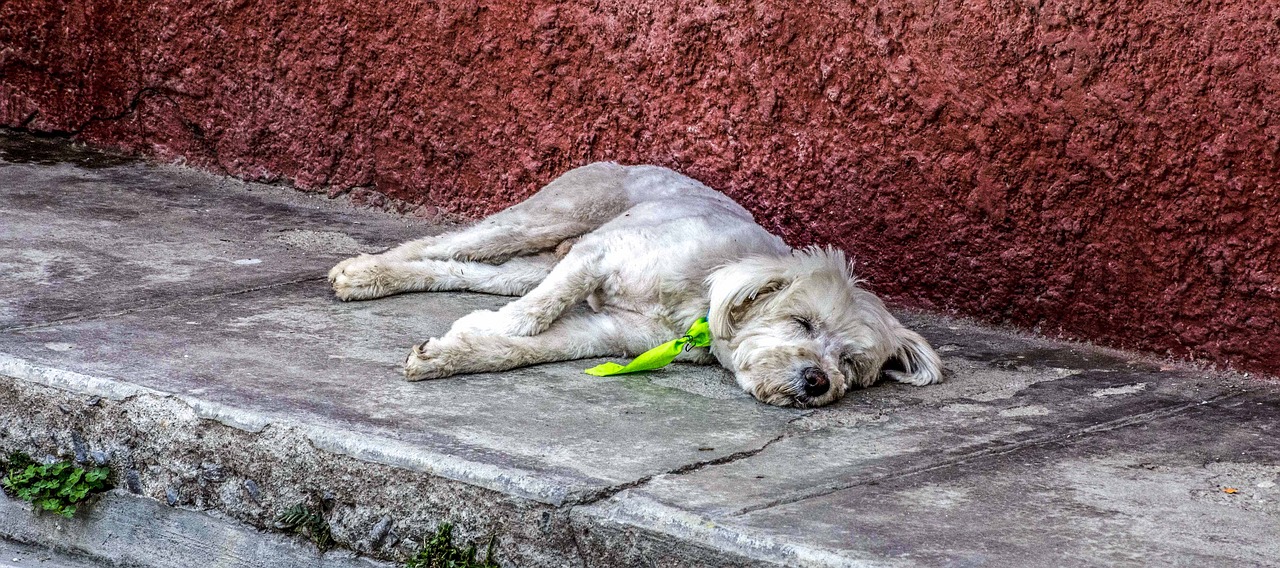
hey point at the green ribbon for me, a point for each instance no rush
(699, 335)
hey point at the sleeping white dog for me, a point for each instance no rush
(614, 260)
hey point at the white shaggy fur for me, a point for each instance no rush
(612, 260)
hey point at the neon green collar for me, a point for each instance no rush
(699, 335)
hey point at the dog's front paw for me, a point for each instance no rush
(361, 278)
(431, 359)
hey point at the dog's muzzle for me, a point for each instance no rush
(815, 382)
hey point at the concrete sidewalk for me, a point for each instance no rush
(14, 555)
(178, 326)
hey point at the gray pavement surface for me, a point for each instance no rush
(18, 555)
(128, 281)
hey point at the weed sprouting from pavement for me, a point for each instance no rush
(440, 552)
(304, 520)
(55, 487)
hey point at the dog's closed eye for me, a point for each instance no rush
(804, 323)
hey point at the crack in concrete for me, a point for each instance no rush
(612, 490)
(1130, 420)
(577, 545)
(144, 306)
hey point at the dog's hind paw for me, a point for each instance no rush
(428, 360)
(338, 268)
(361, 278)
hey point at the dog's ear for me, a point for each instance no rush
(734, 288)
(913, 361)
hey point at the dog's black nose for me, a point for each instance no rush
(815, 382)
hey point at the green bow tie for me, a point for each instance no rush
(699, 335)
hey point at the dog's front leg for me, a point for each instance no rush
(569, 283)
(577, 335)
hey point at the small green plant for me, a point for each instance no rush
(440, 552)
(304, 520)
(56, 487)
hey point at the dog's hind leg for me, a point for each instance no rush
(496, 239)
(369, 276)
(577, 335)
(572, 205)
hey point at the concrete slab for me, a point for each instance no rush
(123, 530)
(985, 408)
(1193, 488)
(290, 352)
(229, 390)
(828, 495)
(86, 234)
(17, 555)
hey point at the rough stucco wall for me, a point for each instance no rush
(1105, 170)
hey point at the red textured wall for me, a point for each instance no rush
(1104, 169)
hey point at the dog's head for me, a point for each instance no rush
(798, 331)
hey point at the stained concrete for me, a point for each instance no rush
(81, 239)
(18, 555)
(223, 392)
(126, 531)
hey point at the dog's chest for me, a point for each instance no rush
(648, 284)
